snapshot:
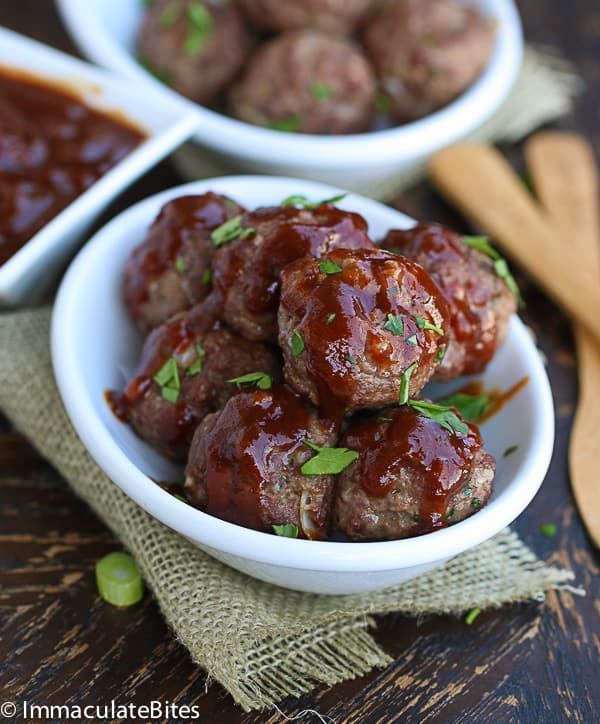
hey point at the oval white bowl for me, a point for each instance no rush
(95, 347)
(29, 273)
(105, 31)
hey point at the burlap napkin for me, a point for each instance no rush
(261, 642)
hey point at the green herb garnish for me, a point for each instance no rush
(320, 91)
(328, 460)
(119, 580)
(395, 325)
(289, 124)
(331, 317)
(160, 75)
(230, 230)
(444, 416)
(169, 15)
(261, 379)
(329, 267)
(289, 530)
(476, 503)
(482, 243)
(385, 419)
(351, 359)
(470, 406)
(404, 384)
(196, 366)
(383, 103)
(472, 615)
(167, 378)
(549, 530)
(302, 202)
(297, 343)
(424, 324)
(412, 340)
(207, 277)
(199, 27)
(440, 354)
(510, 450)
(180, 264)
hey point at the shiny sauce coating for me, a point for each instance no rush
(440, 459)
(52, 148)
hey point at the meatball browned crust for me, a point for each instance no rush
(245, 463)
(427, 52)
(246, 270)
(479, 302)
(412, 476)
(182, 377)
(355, 323)
(170, 271)
(308, 82)
(331, 16)
(196, 47)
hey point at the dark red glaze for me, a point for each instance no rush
(179, 224)
(439, 250)
(52, 148)
(441, 459)
(285, 234)
(251, 427)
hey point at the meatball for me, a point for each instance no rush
(479, 302)
(195, 47)
(171, 270)
(245, 463)
(427, 53)
(307, 82)
(246, 270)
(183, 376)
(359, 328)
(331, 16)
(412, 476)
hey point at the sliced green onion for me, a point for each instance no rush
(472, 615)
(119, 580)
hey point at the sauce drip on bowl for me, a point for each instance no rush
(52, 148)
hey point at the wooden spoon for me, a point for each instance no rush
(478, 180)
(564, 174)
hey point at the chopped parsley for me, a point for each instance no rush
(180, 264)
(297, 343)
(196, 366)
(424, 324)
(470, 406)
(199, 27)
(289, 530)
(510, 450)
(331, 317)
(482, 243)
(404, 384)
(351, 359)
(385, 419)
(476, 503)
(444, 416)
(472, 615)
(395, 325)
(383, 103)
(328, 460)
(302, 202)
(320, 91)
(167, 378)
(261, 379)
(441, 353)
(549, 530)
(207, 277)
(329, 267)
(412, 340)
(289, 124)
(230, 230)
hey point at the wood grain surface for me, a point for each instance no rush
(60, 644)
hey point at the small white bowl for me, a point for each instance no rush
(28, 273)
(105, 30)
(95, 346)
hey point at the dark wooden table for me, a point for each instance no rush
(531, 663)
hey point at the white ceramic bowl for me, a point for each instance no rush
(29, 272)
(95, 347)
(105, 31)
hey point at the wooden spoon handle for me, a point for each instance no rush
(481, 183)
(564, 174)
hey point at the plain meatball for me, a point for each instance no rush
(331, 16)
(353, 325)
(197, 48)
(246, 270)
(245, 463)
(426, 53)
(183, 375)
(412, 476)
(308, 82)
(479, 302)
(170, 271)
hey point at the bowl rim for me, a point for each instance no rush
(235, 540)
(237, 138)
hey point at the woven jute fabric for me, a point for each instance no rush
(544, 91)
(263, 643)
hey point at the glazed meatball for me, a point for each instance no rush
(427, 53)
(331, 16)
(182, 377)
(357, 326)
(171, 270)
(412, 476)
(245, 463)
(479, 302)
(246, 270)
(195, 47)
(307, 82)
